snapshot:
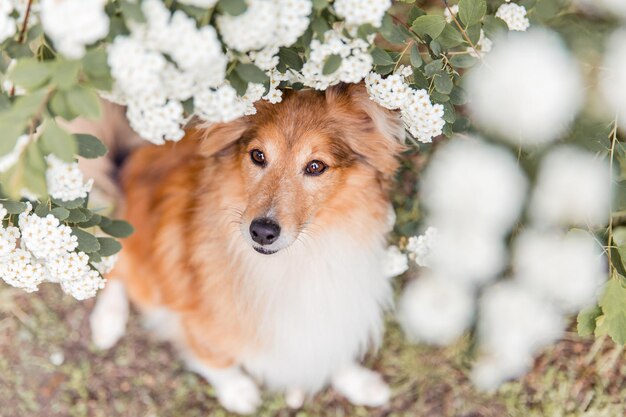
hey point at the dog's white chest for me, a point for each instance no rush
(320, 307)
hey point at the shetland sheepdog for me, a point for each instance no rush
(259, 246)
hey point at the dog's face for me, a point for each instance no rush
(297, 157)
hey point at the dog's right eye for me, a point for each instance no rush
(257, 157)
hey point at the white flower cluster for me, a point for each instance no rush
(356, 62)
(422, 118)
(514, 16)
(154, 88)
(396, 263)
(200, 3)
(65, 180)
(474, 193)
(613, 76)
(8, 160)
(7, 23)
(265, 24)
(74, 24)
(528, 89)
(421, 247)
(359, 12)
(45, 253)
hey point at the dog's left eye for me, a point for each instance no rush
(315, 167)
(258, 157)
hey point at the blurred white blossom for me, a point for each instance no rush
(528, 89)
(200, 3)
(513, 325)
(65, 180)
(572, 188)
(74, 24)
(396, 263)
(7, 23)
(435, 310)
(613, 76)
(359, 12)
(470, 183)
(20, 270)
(8, 160)
(566, 269)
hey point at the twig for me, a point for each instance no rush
(22, 35)
(463, 32)
(401, 55)
(613, 135)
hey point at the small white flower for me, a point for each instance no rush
(396, 263)
(434, 310)
(448, 12)
(7, 23)
(65, 180)
(514, 16)
(200, 3)
(8, 240)
(88, 23)
(106, 265)
(613, 77)
(85, 287)
(422, 118)
(20, 270)
(421, 246)
(45, 237)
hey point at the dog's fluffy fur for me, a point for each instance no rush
(296, 319)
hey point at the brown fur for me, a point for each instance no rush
(187, 199)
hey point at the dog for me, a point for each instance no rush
(259, 247)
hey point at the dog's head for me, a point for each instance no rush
(302, 161)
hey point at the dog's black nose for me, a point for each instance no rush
(264, 231)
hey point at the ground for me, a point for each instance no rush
(48, 367)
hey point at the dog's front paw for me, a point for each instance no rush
(239, 394)
(109, 316)
(362, 386)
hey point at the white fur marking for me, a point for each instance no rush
(109, 316)
(361, 386)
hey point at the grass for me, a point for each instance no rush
(48, 367)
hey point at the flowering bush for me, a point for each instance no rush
(520, 213)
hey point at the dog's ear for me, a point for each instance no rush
(375, 133)
(217, 137)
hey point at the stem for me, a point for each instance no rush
(463, 32)
(401, 55)
(22, 36)
(613, 136)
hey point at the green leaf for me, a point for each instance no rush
(450, 37)
(587, 320)
(419, 79)
(472, 11)
(30, 73)
(290, 58)
(117, 228)
(94, 257)
(42, 210)
(86, 241)
(416, 58)
(108, 246)
(613, 304)
(237, 83)
(35, 171)
(382, 57)
(93, 221)
(443, 83)
(433, 67)
(95, 63)
(7, 144)
(332, 64)
(57, 141)
(76, 216)
(438, 97)
(69, 204)
(431, 25)
(60, 213)
(391, 32)
(320, 27)
(414, 13)
(232, 7)
(494, 27)
(26, 106)
(13, 207)
(458, 96)
(90, 146)
(251, 73)
(473, 33)
(84, 101)
(463, 61)
(320, 4)
(132, 10)
(65, 73)
(366, 30)
(59, 107)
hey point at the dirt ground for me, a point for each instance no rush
(48, 367)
